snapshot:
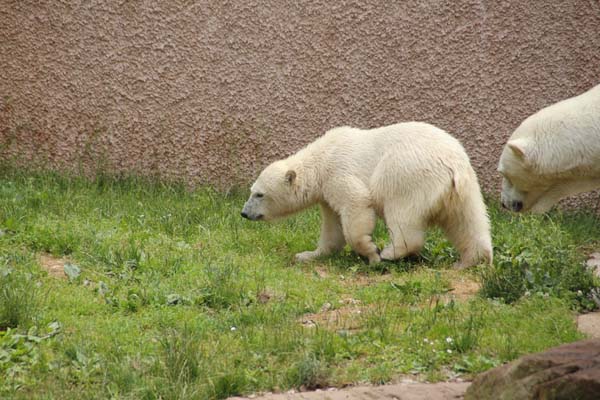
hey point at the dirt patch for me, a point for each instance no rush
(462, 287)
(589, 324)
(346, 316)
(360, 279)
(366, 280)
(321, 272)
(54, 266)
(401, 391)
(351, 279)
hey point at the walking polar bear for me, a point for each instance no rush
(553, 154)
(410, 174)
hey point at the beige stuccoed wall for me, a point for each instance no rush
(211, 91)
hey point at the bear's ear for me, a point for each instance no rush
(290, 176)
(519, 147)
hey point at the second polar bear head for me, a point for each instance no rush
(274, 194)
(522, 188)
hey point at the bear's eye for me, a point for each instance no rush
(259, 195)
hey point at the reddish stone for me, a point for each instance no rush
(566, 372)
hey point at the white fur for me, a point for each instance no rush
(411, 174)
(553, 154)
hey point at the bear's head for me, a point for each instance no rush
(523, 188)
(274, 194)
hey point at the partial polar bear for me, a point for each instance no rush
(553, 154)
(411, 174)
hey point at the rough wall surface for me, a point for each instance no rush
(211, 91)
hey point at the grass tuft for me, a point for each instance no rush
(540, 255)
(308, 373)
(20, 301)
(181, 353)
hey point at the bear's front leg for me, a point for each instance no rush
(332, 236)
(358, 224)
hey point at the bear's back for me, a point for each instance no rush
(409, 134)
(410, 145)
(566, 134)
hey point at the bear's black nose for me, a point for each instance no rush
(517, 205)
(244, 215)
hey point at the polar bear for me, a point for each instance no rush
(410, 174)
(553, 154)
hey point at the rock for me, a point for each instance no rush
(570, 371)
(593, 263)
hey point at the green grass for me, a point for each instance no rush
(180, 298)
(19, 293)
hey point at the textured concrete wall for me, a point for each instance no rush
(211, 91)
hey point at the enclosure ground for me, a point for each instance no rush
(136, 289)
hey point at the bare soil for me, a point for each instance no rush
(345, 316)
(462, 287)
(54, 266)
(589, 324)
(400, 391)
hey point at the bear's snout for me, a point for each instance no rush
(517, 205)
(250, 216)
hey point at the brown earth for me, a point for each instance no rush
(400, 391)
(589, 324)
(53, 265)
(462, 287)
(348, 316)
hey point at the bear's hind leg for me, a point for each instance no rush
(469, 232)
(358, 224)
(407, 233)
